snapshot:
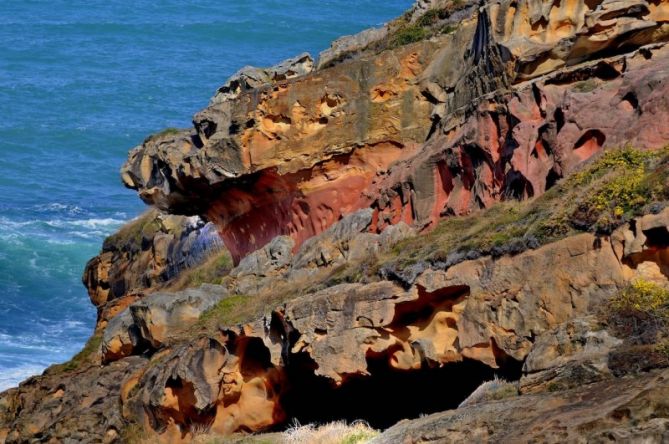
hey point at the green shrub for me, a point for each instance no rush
(167, 132)
(618, 185)
(663, 348)
(431, 17)
(643, 296)
(449, 29)
(409, 34)
(129, 237)
(640, 313)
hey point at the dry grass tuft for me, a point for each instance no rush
(338, 432)
(493, 390)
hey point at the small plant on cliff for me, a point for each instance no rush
(493, 390)
(639, 314)
(228, 311)
(432, 16)
(618, 185)
(213, 271)
(586, 86)
(130, 236)
(643, 296)
(641, 311)
(83, 357)
(164, 133)
(407, 34)
(339, 432)
(663, 348)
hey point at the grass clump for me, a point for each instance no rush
(131, 235)
(494, 390)
(85, 356)
(407, 34)
(663, 348)
(171, 131)
(212, 271)
(432, 16)
(338, 432)
(240, 308)
(639, 314)
(644, 297)
(134, 433)
(228, 311)
(641, 310)
(426, 26)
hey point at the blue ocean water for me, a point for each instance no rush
(81, 82)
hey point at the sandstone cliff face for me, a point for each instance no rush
(497, 313)
(482, 310)
(290, 156)
(315, 175)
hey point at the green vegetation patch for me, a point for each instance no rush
(166, 133)
(639, 315)
(585, 86)
(607, 192)
(643, 297)
(430, 24)
(359, 436)
(229, 311)
(409, 34)
(85, 356)
(131, 235)
(212, 271)
(237, 309)
(620, 184)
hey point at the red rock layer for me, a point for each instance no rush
(300, 204)
(518, 144)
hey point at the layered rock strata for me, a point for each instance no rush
(307, 172)
(291, 155)
(484, 310)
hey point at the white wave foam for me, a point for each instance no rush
(57, 206)
(91, 224)
(97, 223)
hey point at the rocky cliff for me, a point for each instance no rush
(471, 191)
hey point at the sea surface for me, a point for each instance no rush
(82, 82)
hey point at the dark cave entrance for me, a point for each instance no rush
(387, 395)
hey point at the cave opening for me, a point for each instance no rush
(387, 395)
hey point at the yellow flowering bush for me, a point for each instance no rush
(643, 296)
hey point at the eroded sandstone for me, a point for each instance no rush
(306, 171)
(409, 132)
(497, 312)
